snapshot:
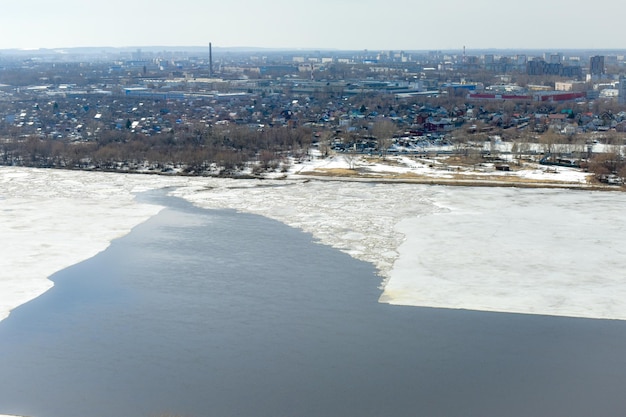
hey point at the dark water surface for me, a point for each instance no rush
(215, 313)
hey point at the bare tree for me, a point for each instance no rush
(549, 140)
(383, 130)
(351, 152)
(609, 163)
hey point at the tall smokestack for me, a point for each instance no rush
(210, 60)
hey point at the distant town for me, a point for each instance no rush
(233, 112)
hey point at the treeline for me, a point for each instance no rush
(194, 149)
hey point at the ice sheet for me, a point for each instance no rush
(533, 251)
(521, 251)
(497, 249)
(357, 218)
(51, 219)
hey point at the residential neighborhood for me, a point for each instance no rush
(203, 108)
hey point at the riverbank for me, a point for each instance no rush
(446, 171)
(411, 169)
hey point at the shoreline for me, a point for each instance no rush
(455, 182)
(394, 170)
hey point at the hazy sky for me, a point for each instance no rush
(339, 24)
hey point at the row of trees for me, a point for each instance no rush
(194, 149)
(199, 149)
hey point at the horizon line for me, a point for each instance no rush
(293, 49)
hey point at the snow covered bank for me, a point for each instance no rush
(415, 167)
(497, 249)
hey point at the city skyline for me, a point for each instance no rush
(341, 25)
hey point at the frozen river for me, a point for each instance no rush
(550, 252)
(212, 312)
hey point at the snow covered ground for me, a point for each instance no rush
(538, 251)
(414, 167)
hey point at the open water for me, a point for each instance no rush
(217, 313)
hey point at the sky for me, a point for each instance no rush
(318, 24)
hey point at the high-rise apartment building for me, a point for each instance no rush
(596, 65)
